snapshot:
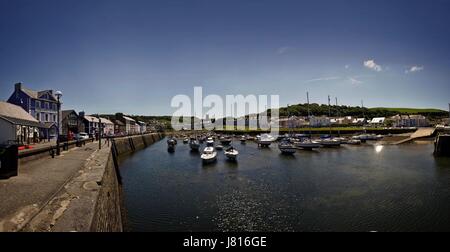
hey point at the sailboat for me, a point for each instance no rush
(285, 146)
(330, 142)
(308, 144)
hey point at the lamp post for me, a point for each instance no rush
(58, 95)
(100, 129)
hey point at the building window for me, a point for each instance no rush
(54, 118)
(46, 117)
(54, 106)
(47, 105)
(38, 117)
(38, 104)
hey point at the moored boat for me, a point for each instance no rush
(308, 144)
(171, 145)
(265, 140)
(225, 140)
(209, 142)
(330, 143)
(287, 147)
(194, 144)
(209, 155)
(231, 153)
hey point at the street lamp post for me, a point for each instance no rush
(58, 95)
(100, 129)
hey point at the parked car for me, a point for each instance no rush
(82, 136)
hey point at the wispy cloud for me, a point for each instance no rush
(323, 79)
(354, 81)
(372, 65)
(347, 66)
(284, 49)
(414, 69)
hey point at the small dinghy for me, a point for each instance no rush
(171, 145)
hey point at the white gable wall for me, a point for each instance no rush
(7, 131)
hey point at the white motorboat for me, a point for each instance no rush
(330, 142)
(186, 140)
(231, 153)
(286, 147)
(308, 144)
(194, 144)
(368, 137)
(266, 140)
(209, 142)
(209, 155)
(354, 142)
(243, 139)
(219, 147)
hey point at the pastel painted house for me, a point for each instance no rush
(42, 105)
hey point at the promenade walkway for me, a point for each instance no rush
(24, 196)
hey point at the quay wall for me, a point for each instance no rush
(442, 145)
(108, 213)
(92, 200)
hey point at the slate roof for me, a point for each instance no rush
(17, 115)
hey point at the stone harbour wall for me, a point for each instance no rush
(92, 200)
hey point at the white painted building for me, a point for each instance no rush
(377, 120)
(410, 121)
(142, 127)
(319, 121)
(16, 125)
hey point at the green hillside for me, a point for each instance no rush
(410, 110)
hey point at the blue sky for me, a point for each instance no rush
(134, 56)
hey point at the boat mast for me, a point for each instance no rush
(364, 116)
(329, 112)
(309, 115)
(337, 109)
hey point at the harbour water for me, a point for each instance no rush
(353, 188)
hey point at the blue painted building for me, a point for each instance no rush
(41, 105)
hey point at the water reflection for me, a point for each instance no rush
(379, 148)
(347, 189)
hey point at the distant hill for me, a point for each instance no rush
(411, 110)
(322, 109)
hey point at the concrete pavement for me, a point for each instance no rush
(24, 196)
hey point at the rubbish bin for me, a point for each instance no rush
(9, 161)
